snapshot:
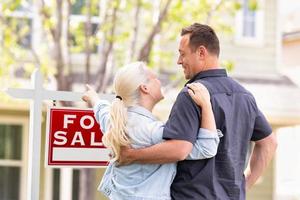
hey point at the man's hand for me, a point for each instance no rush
(165, 152)
(262, 154)
(126, 156)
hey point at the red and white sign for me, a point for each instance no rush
(74, 139)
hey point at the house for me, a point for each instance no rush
(287, 163)
(291, 48)
(255, 49)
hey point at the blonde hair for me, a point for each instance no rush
(126, 84)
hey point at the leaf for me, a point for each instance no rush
(228, 64)
(253, 5)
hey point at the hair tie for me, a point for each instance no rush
(119, 97)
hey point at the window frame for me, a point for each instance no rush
(24, 123)
(25, 15)
(258, 40)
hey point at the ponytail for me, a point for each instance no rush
(126, 83)
(116, 135)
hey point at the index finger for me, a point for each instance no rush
(88, 87)
(193, 86)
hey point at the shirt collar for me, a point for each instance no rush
(209, 73)
(141, 111)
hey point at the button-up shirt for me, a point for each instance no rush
(239, 119)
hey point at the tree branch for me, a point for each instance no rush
(103, 67)
(88, 34)
(146, 48)
(212, 11)
(135, 29)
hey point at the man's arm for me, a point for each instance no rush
(165, 152)
(261, 156)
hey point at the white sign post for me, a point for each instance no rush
(37, 94)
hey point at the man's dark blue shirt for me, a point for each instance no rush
(239, 119)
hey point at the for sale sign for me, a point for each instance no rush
(74, 139)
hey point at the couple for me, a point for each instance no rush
(199, 175)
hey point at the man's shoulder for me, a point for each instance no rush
(183, 94)
(224, 85)
(240, 88)
(183, 100)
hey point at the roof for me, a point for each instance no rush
(291, 36)
(279, 98)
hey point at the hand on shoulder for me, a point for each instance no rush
(199, 94)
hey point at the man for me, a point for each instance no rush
(237, 116)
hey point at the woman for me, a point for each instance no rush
(128, 121)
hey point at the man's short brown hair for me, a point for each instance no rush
(201, 34)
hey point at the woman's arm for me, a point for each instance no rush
(206, 145)
(168, 151)
(90, 96)
(201, 96)
(100, 107)
(208, 139)
(177, 149)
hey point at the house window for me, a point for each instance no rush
(249, 20)
(78, 41)
(18, 25)
(10, 161)
(79, 7)
(249, 23)
(24, 30)
(78, 21)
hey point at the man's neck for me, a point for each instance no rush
(210, 68)
(211, 63)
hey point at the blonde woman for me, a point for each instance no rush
(128, 121)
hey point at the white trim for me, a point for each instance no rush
(258, 40)
(83, 18)
(36, 29)
(21, 14)
(279, 31)
(66, 180)
(11, 163)
(85, 154)
(22, 121)
(48, 186)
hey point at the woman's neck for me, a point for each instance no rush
(147, 103)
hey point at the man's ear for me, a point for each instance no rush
(201, 52)
(144, 89)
